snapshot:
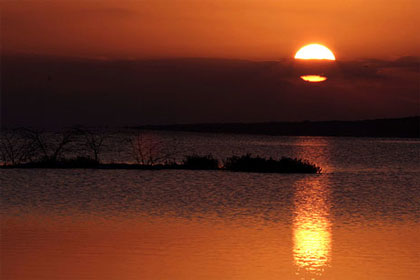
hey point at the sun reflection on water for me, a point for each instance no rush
(311, 229)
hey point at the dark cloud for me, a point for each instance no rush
(411, 63)
(53, 91)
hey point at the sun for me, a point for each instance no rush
(315, 51)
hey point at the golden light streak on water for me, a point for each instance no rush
(311, 230)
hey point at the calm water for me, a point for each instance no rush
(359, 219)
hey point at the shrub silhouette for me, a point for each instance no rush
(248, 163)
(207, 162)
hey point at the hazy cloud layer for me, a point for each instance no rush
(52, 91)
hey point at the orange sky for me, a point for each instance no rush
(249, 29)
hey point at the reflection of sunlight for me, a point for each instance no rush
(313, 78)
(312, 244)
(311, 229)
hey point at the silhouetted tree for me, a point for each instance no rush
(150, 150)
(50, 146)
(94, 141)
(15, 148)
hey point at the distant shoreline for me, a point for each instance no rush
(408, 127)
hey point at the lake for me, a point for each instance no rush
(358, 219)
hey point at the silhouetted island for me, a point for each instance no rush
(408, 127)
(244, 163)
(81, 148)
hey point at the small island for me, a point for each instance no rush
(244, 163)
(82, 148)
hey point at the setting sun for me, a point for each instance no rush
(315, 51)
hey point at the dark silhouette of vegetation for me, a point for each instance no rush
(207, 162)
(243, 163)
(94, 141)
(34, 149)
(15, 148)
(78, 162)
(248, 163)
(151, 151)
(49, 147)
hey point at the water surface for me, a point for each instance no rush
(359, 219)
